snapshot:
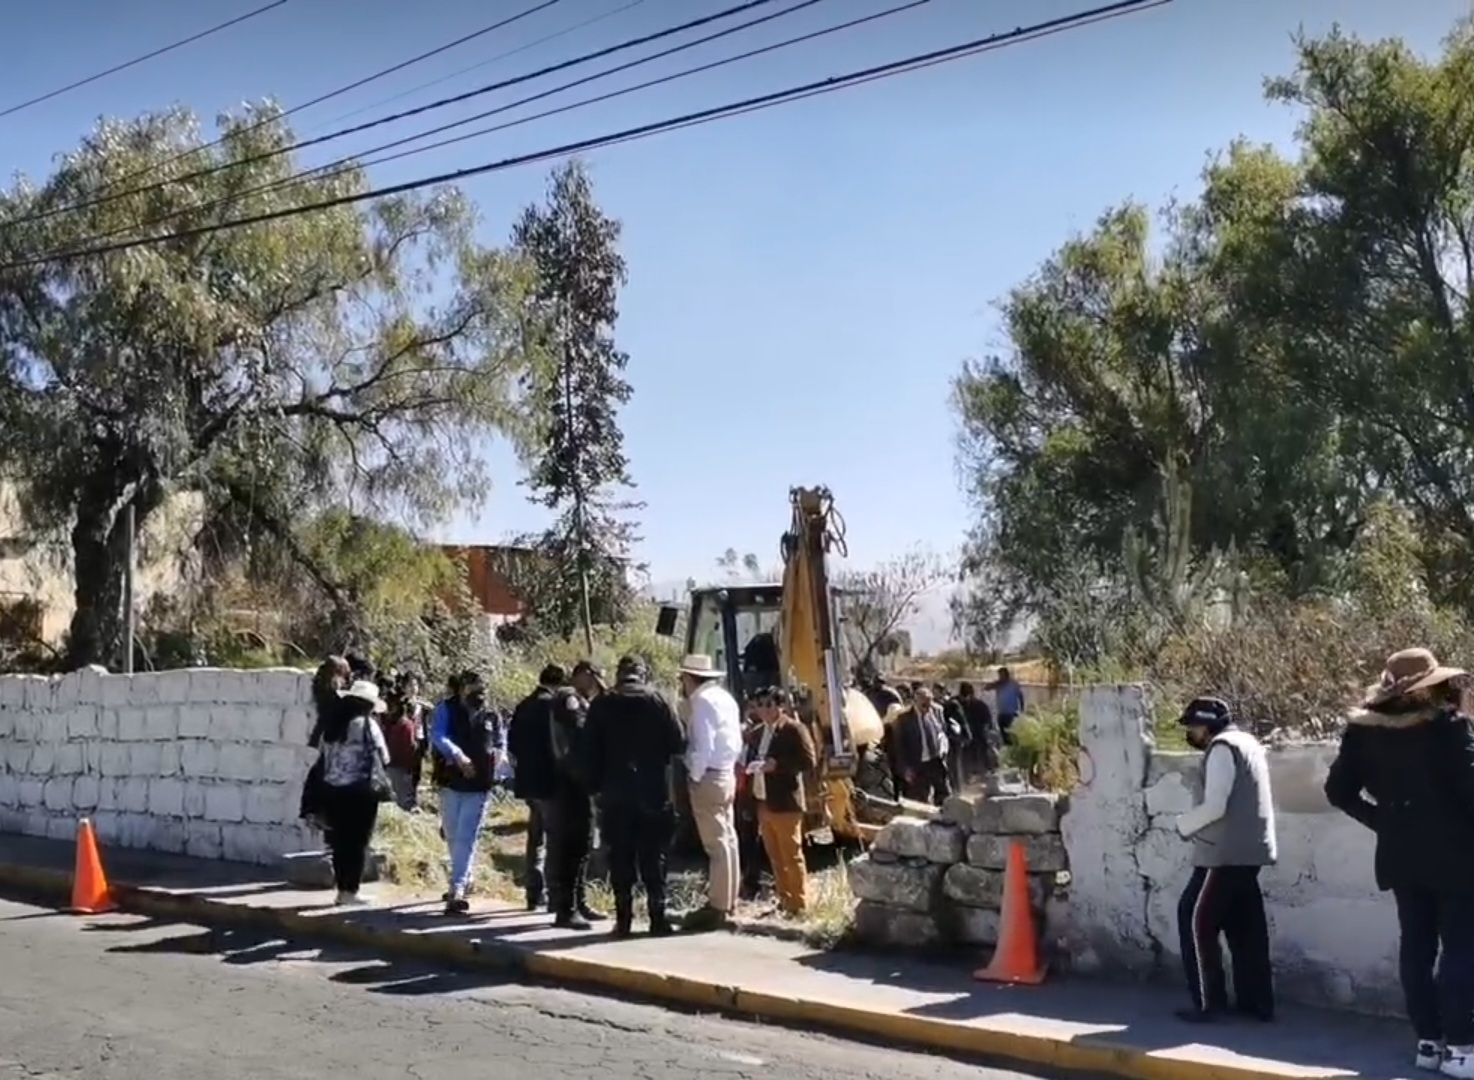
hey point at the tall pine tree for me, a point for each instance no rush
(576, 387)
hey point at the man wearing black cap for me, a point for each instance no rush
(632, 736)
(1233, 836)
(546, 739)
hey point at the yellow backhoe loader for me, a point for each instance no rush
(788, 634)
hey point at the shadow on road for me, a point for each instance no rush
(242, 947)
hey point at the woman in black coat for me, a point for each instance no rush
(1405, 770)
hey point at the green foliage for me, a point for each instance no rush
(1234, 455)
(276, 369)
(513, 670)
(1046, 747)
(575, 388)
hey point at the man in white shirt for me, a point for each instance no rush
(1233, 836)
(713, 748)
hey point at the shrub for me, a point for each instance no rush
(1046, 746)
(1298, 668)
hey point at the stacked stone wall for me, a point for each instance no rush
(940, 882)
(201, 762)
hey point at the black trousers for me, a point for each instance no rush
(1436, 962)
(350, 814)
(1226, 901)
(931, 782)
(568, 824)
(535, 855)
(639, 841)
(750, 853)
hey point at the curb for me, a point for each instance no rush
(1090, 1056)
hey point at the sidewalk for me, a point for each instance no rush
(1095, 1029)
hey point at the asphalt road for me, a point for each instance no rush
(124, 998)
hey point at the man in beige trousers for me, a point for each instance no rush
(713, 747)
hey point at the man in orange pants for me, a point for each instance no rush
(783, 754)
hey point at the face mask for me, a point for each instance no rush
(1198, 740)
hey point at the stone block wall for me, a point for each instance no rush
(201, 762)
(940, 882)
(1333, 935)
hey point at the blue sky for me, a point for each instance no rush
(805, 281)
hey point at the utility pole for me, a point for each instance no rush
(129, 623)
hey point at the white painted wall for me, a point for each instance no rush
(1334, 936)
(201, 762)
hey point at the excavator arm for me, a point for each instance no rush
(809, 643)
(841, 719)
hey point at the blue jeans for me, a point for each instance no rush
(461, 813)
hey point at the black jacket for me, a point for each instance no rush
(1418, 770)
(978, 716)
(545, 739)
(631, 737)
(908, 742)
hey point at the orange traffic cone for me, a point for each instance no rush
(91, 894)
(1016, 959)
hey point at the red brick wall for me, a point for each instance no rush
(487, 583)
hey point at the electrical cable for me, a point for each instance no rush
(500, 24)
(349, 164)
(303, 144)
(156, 53)
(612, 94)
(480, 64)
(330, 95)
(756, 103)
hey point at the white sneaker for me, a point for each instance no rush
(1430, 1055)
(1458, 1061)
(349, 899)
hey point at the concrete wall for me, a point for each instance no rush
(940, 882)
(1334, 936)
(201, 762)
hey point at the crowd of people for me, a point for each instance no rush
(935, 738)
(588, 758)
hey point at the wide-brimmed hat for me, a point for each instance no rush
(1408, 671)
(363, 690)
(700, 666)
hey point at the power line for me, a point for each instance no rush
(757, 103)
(612, 94)
(330, 95)
(181, 43)
(500, 24)
(347, 164)
(480, 64)
(303, 144)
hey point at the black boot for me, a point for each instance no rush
(566, 916)
(624, 916)
(581, 904)
(660, 924)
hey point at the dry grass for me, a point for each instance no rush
(417, 864)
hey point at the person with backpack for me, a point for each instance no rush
(546, 741)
